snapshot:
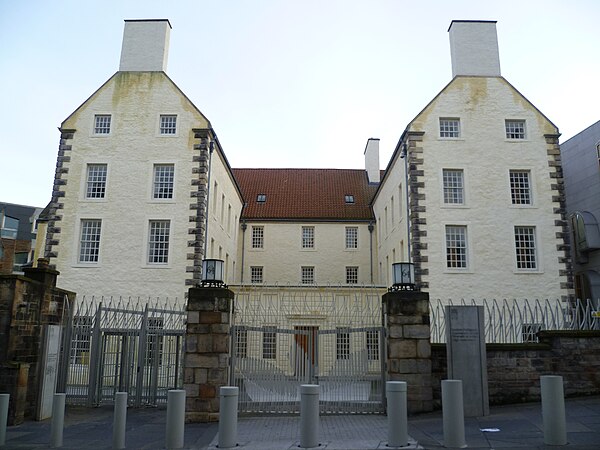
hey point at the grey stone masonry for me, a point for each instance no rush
(409, 347)
(206, 359)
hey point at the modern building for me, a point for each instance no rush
(485, 201)
(143, 190)
(581, 170)
(18, 232)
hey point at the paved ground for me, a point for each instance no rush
(520, 427)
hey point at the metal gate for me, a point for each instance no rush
(132, 346)
(285, 337)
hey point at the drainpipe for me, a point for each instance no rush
(371, 228)
(244, 226)
(404, 155)
(212, 147)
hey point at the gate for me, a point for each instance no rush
(285, 337)
(122, 346)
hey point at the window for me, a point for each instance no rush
(258, 237)
(261, 198)
(102, 124)
(454, 187)
(352, 275)
(515, 129)
(529, 331)
(96, 181)
(89, 247)
(351, 237)
(520, 187)
(342, 344)
(456, 247)
(372, 345)
(158, 242)
(168, 124)
(154, 341)
(308, 237)
(269, 343)
(241, 343)
(349, 198)
(525, 248)
(308, 275)
(164, 175)
(10, 228)
(449, 128)
(19, 261)
(256, 274)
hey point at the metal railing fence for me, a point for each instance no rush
(124, 344)
(519, 320)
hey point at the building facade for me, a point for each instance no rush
(18, 233)
(485, 191)
(581, 165)
(131, 190)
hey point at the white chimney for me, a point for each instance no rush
(145, 45)
(474, 48)
(372, 160)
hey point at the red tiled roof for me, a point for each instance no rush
(305, 194)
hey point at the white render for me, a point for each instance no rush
(474, 48)
(329, 257)
(145, 46)
(372, 160)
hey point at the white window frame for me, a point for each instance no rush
(351, 274)
(307, 275)
(90, 238)
(258, 237)
(96, 181)
(102, 125)
(163, 181)
(351, 238)
(515, 129)
(167, 125)
(449, 128)
(453, 188)
(158, 251)
(307, 238)
(518, 191)
(451, 261)
(523, 236)
(256, 274)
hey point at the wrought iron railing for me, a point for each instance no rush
(519, 320)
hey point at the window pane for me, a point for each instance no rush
(308, 275)
(520, 188)
(525, 247)
(269, 343)
(164, 175)
(351, 275)
(89, 247)
(456, 247)
(258, 237)
(308, 237)
(102, 124)
(241, 343)
(351, 237)
(158, 242)
(342, 345)
(168, 124)
(515, 129)
(96, 181)
(256, 274)
(449, 128)
(372, 345)
(453, 186)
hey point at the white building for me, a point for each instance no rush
(486, 203)
(128, 210)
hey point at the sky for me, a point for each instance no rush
(284, 83)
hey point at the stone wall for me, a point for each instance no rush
(514, 370)
(27, 304)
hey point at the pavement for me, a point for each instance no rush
(509, 427)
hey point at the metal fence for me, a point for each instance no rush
(518, 321)
(287, 336)
(123, 344)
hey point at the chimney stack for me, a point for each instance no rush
(145, 45)
(372, 160)
(474, 48)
